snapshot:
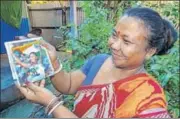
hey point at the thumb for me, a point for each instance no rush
(17, 84)
(42, 83)
(33, 87)
(23, 90)
(47, 45)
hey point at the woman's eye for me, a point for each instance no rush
(126, 42)
(115, 37)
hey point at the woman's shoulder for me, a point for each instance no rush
(144, 78)
(101, 56)
(154, 82)
(138, 80)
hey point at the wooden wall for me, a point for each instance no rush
(50, 16)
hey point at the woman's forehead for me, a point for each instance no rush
(129, 23)
(131, 27)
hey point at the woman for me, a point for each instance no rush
(114, 86)
(35, 68)
(33, 60)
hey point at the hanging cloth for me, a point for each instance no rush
(11, 12)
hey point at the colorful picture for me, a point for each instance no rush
(29, 60)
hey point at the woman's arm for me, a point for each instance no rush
(63, 112)
(41, 95)
(21, 63)
(63, 81)
(68, 83)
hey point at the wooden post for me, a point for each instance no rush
(63, 17)
(73, 18)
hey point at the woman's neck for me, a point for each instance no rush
(121, 73)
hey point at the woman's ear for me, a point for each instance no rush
(150, 53)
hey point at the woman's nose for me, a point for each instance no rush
(116, 45)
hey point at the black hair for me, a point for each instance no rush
(36, 31)
(162, 34)
(33, 53)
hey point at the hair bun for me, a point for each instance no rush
(170, 36)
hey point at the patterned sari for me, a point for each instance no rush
(136, 96)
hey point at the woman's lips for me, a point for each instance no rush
(116, 56)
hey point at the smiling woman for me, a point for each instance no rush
(117, 85)
(128, 43)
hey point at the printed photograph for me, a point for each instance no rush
(29, 60)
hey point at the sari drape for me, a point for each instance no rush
(136, 96)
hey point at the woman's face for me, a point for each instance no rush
(128, 43)
(33, 58)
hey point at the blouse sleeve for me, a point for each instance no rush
(87, 65)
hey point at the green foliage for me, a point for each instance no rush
(94, 33)
(122, 7)
(166, 70)
(69, 101)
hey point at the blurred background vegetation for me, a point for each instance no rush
(100, 17)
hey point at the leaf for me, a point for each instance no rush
(176, 113)
(167, 77)
(155, 67)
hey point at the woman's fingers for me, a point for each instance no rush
(20, 37)
(30, 35)
(51, 50)
(42, 83)
(33, 87)
(23, 90)
(46, 45)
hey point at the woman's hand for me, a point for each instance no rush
(18, 61)
(52, 53)
(37, 94)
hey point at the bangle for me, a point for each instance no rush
(59, 68)
(52, 102)
(58, 104)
